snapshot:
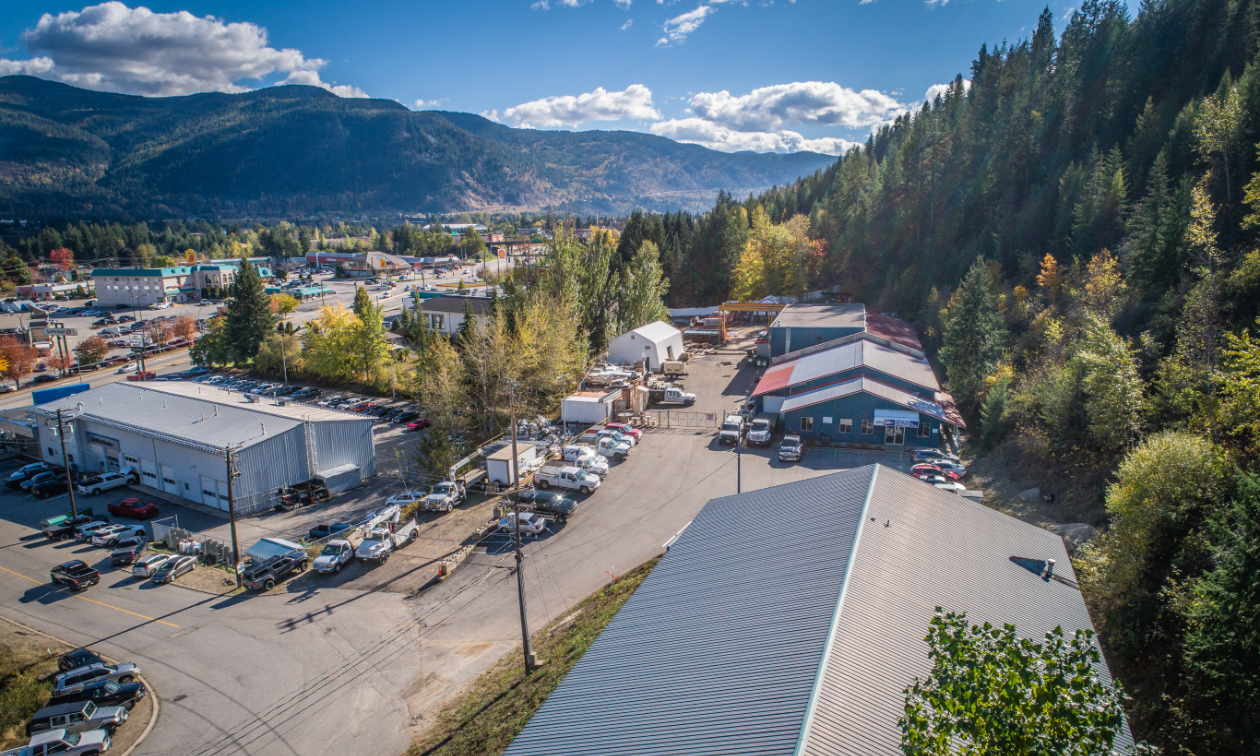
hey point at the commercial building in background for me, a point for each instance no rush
(800, 635)
(141, 287)
(870, 387)
(369, 264)
(652, 344)
(173, 434)
(445, 313)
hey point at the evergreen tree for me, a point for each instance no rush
(249, 315)
(463, 337)
(973, 337)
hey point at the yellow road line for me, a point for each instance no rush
(91, 601)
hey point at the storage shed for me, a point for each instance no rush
(588, 406)
(653, 343)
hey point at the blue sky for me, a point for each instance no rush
(766, 75)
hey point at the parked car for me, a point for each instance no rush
(45, 488)
(951, 466)
(790, 449)
(76, 575)
(65, 743)
(98, 484)
(548, 502)
(324, 530)
(760, 432)
(173, 568)
(80, 657)
(405, 498)
(26, 472)
(611, 447)
(264, 576)
(732, 431)
(111, 535)
(83, 533)
(927, 469)
(42, 477)
(77, 716)
(418, 424)
(143, 375)
(931, 455)
(76, 679)
(624, 429)
(134, 508)
(530, 523)
(617, 436)
(130, 367)
(62, 528)
(336, 554)
(146, 566)
(105, 693)
(128, 550)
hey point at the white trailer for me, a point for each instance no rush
(499, 465)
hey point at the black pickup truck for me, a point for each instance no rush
(76, 575)
(62, 529)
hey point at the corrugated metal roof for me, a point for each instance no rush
(718, 651)
(758, 634)
(848, 356)
(822, 316)
(938, 549)
(225, 397)
(870, 386)
(893, 329)
(196, 422)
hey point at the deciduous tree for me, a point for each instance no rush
(91, 350)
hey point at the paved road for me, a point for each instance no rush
(358, 664)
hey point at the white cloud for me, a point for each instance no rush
(114, 48)
(629, 22)
(936, 3)
(634, 102)
(428, 104)
(941, 89)
(541, 5)
(802, 102)
(677, 28)
(32, 67)
(623, 4)
(717, 137)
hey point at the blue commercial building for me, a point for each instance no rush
(872, 387)
(805, 325)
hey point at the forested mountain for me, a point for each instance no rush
(285, 151)
(1076, 231)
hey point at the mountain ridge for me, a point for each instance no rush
(296, 149)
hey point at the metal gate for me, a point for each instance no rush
(685, 419)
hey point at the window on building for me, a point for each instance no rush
(868, 427)
(51, 453)
(807, 424)
(925, 430)
(209, 494)
(846, 426)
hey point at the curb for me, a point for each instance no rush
(157, 704)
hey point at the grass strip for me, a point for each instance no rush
(485, 718)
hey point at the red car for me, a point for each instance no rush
(626, 430)
(146, 375)
(918, 470)
(134, 508)
(417, 425)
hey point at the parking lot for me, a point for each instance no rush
(359, 661)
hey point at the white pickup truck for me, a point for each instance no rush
(585, 457)
(671, 395)
(611, 447)
(336, 554)
(570, 477)
(444, 497)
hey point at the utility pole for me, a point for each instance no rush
(61, 433)
(236, 549)
(531, 663)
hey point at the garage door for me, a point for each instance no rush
(149, 473)
(169, 484)
(209, 492)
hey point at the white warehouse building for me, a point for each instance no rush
(653, 343)
(174, 435)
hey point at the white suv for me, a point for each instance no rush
(101, 483)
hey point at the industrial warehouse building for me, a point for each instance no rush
(797, 637)
(652, 344)
(173, 434)
(871, 387)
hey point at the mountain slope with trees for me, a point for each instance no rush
(293, 149)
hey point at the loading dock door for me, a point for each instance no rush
(169, 484)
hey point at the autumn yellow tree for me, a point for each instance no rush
(779, 259)
(1050, 278)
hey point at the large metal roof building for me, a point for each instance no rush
(174, 435)
(789, 621)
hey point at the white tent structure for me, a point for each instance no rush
(653, 343)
